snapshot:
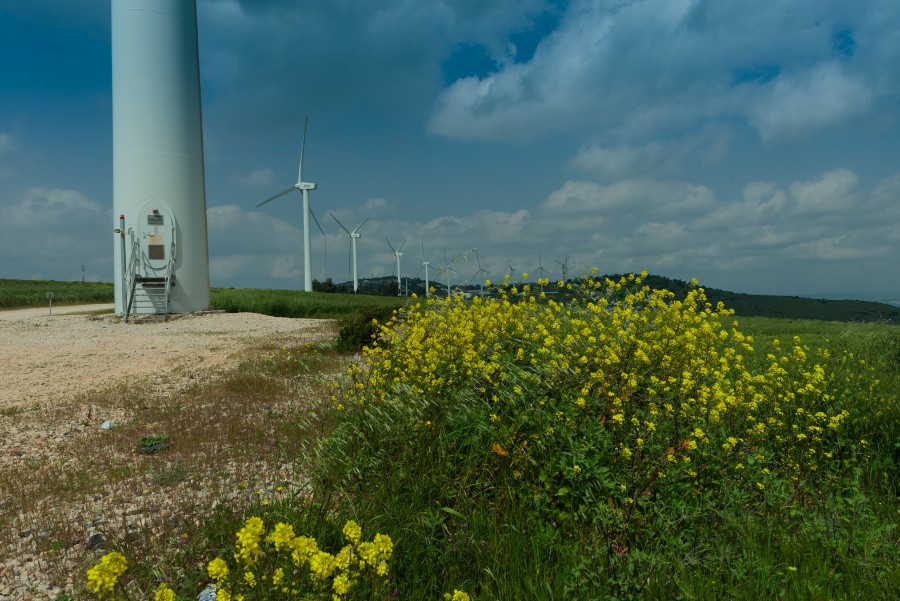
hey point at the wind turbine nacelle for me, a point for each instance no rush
(306, 186)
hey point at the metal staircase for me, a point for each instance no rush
(148, 288)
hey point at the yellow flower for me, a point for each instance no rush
(353, 532)
(282, 536)
(341, 584)
(103, 577)
(164, 593)
(248, 538)
(217, 570)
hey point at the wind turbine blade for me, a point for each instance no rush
(339, 223)
(316, 220)
(302, 149)
(271, 198)
(391, 245)
(362, 224)
(401, 246)
(423, 251)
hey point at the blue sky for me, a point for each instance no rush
(752, 145)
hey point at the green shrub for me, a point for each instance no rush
(360, 328)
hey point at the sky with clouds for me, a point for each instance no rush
(752, 145)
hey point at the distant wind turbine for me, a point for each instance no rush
(353, 236)
(397, 255)
(565, 268)
(478, 273)
(304, 188)
(425, 264)
(324, 240)
(541, 271)
(448, 269)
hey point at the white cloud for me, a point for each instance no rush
(656, 66)
(257, 178)
(7, 143)
(806, 103)
(627, 161)
(378, 206)
(41, 207)
(839, 248)
(286, 268)
(832, 192)
(622, 161)
(223, 268)
(55, 225)
(645, 198)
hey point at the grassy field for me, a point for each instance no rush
(291, 303)
(33, 293)
(520, 490)
(354, 310)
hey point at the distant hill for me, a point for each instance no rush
(25, 293)
(747, 305)
(787, 307)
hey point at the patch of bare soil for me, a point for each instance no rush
(43, 358)
(49, 366)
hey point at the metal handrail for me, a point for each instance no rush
(131, 274)
(170, 272)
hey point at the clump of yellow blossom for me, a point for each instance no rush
(289, 563)
(102, 578)
(656, 389)
(164, 593)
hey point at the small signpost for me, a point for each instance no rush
(50, 298)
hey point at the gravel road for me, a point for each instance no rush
(43, 356)
(46, 362)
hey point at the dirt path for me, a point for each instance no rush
(43, 357)
(46, 430)
(22, 314)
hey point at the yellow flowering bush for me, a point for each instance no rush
(648, 396)
(102, 578)
(278, 563)
(164, 593)
(283, 563)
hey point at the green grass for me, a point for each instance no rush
(33, 293)
(292, 303)
(457, 521)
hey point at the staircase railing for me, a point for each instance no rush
(170, 272)
(131, 275)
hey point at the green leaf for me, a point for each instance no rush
(452, 511)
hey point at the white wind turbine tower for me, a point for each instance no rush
(397, 255)
(425, 264)
(565, 268)
(541, 271)
(304, 188)
(353, 236)
(480, 272)
(447, 269)
(324, 240)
